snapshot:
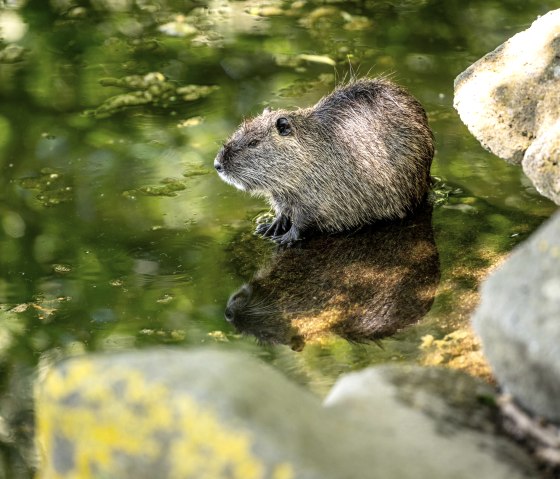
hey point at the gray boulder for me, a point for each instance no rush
(177, 414)
(518, 320)
(427, 423)
(510, 98)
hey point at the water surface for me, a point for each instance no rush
(115, 232)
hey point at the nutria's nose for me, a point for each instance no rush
(221, 158)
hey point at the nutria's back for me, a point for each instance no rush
(362, 153)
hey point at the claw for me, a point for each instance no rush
(288, 238)
(280, 226)
(263, 228)
(281, 231)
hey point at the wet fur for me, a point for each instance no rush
(362, 153)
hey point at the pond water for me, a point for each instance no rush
(116, 233)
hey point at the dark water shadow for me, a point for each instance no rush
(361, 286)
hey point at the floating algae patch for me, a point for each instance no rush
(196, 171)
(442, 193)
(52, 186)
(169, 187)
(195, 92)
(151, 89)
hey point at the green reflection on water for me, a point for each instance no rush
(115, 233)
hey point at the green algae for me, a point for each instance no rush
(150, 89)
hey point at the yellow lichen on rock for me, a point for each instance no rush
(94, 421)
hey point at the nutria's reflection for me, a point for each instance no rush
(361, 286)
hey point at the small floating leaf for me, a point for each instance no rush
(317, 59)
(165, 299)
(20, 308)
(194, 121)
(266, 11)
(61, 268)
(178, 27)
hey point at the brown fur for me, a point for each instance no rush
(361, 154)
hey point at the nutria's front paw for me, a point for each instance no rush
(289, 238)
(262, 229)
(280, 226)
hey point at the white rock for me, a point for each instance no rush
(510, 99)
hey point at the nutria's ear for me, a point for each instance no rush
(266, 110)
(283, 126)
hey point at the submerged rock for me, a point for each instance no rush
(509, 101)
(518, 321)
(177, 414)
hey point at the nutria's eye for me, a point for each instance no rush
(253, 143)
(283, 126)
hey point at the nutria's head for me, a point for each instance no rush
(253, 310)
(254, 158)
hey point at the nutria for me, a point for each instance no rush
(361, 154)
(361, 286)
